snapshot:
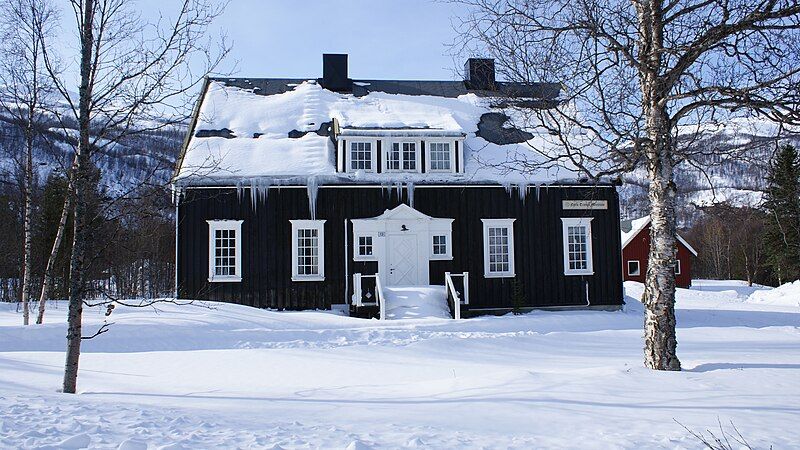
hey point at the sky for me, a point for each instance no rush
(385, 39)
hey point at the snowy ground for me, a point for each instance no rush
(192, 377)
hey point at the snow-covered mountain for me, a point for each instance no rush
(147, 157)
(729, 163)
(150, 157)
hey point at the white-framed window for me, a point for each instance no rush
(402, 157)
(361, 156)
(365, 249)
(308, 250)
(224, 251)
(441, 247)
(498, 248)
(677, 267)
(634, 268)
(440, 157)
(577, 238)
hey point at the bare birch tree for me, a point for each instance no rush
(639, 77)
(26, 88)
(135, 76)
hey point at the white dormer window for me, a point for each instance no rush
(440, 157)
(361, 156)
(402, 157)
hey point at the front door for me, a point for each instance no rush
(403, 260)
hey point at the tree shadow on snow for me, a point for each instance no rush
(716, 318)
(710, 367)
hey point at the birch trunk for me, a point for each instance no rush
(659, 293)
(51, 260)
(82, 161)
(28, 192)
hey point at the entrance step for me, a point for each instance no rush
(416, 302)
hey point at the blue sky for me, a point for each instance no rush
(400, 39)
(389, 39)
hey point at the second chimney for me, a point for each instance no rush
(479, 74)
(334, 72)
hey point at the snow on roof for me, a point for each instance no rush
(240, 135)
(631, 228)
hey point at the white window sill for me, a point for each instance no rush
(576, 273)
(499, 275)
(314, 278)
(223, 279)
(441, 257)
(365, 258)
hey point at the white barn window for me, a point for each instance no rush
(361, 156)
(633, 268)
(498, 248)
(224, 251)
(308, 250)
(577, 239)
(677, 267)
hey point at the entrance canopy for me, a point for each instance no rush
(403, 241)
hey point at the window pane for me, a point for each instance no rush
(440, 156)
(224, 252)
(409, 156)
(440, 245)
(307, 251)
(499, 250)
(365, 245)
(577, 247)
(393, 157)
(361, 156)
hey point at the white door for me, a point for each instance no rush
(403, 260)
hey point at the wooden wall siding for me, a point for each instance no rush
(266, 248)
(639, 249)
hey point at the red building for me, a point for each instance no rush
(636, 248)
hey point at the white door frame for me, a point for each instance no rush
(403, 220)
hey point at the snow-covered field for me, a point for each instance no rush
(228, 377)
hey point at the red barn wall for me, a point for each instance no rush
(639, 248)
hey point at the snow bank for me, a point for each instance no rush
(787, 294)
(228, 376)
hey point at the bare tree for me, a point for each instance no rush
(135, 77)
(642, 80)
(26, 88)
(47, 279)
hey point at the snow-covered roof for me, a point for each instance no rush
(281, 130)
(631, 228)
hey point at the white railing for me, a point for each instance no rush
(454, 299)
(380, 298)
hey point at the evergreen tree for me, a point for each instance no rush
(782, 237)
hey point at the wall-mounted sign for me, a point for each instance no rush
(584, 204)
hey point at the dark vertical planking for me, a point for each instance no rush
(267, 243)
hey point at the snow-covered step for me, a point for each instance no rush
(415, 302)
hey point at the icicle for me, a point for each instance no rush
(387, 189)
(312, 187)
(523, 191)
(410, 190)
(507, 186)
(239, 190)
(398, 187)
(538, 187)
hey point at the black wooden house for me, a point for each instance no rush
(310, 193)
